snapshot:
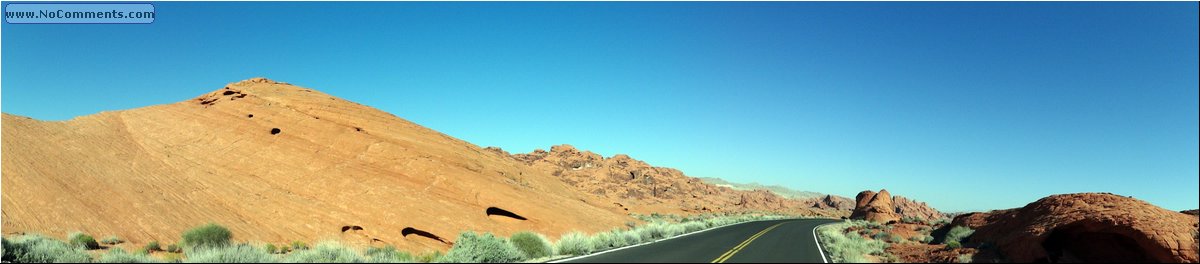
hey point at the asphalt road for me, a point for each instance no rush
(764, 241)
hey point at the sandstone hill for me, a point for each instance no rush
(882, 207)
(276, 163)
(1086, 227)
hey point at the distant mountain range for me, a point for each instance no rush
(779, 190)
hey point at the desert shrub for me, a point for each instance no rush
(270, 248)
(631, 237)
(170, 257)
(284, 249)
(471, 247)
(965, 258)
(881, 236)
(173, 248)
(78, 239)
(112, 240)
(674, 230)
(40, 249)
(152, 246)
(429, 257)
(912, 220)
(653, 231)
(957, 234)
(574, 243)
(693, 226)
(603, 241)
(299, 245)
(533, 245)
(243, 253)
(208, 235)
(953, 245)
(848, 248)
(118, 255)
(325, 252)
(387, 254)
(618, 238)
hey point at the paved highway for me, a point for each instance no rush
(788, 240)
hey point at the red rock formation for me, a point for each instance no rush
(912, 208)
(1087, 227)
(834, 202)
(874, 207)
(639, 187)
(882, 207)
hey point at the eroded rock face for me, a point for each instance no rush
(882, 207)
(1087, 227)
(639, 187)
(913, 208)
(874, 207)
(834, 202)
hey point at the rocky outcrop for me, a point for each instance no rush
(874, 207)
(916, 209)
(1191, 212)
(1087, 227)
(639, 187)
(882, 207)
(834, 202)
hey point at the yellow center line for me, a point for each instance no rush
(734, 250)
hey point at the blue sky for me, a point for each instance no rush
(968, 106)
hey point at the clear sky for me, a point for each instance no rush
(968, 106)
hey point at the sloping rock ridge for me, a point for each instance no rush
(1087, 227)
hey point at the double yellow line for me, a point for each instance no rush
(739, 247)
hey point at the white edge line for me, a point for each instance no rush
(818, 241)
(669, 238)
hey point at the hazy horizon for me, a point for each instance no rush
(965, 106)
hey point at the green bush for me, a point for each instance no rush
(894, 238)
(325, 252)
(912, 220)
(957, 234)
(673, 230)
(118, 255)
(533, 245)
(387, 254)
(209, 235)
(654, 231)
(848, 247)
(481, 248)
(173, 248)
(631, 237)
(270, 248)
(152, 246)
(78, 239)
(694, 226)
(953, 245)
(112, 240)
(603, 240)
(299, 245)
(574, 243)
(40, 249)
(242, 253)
